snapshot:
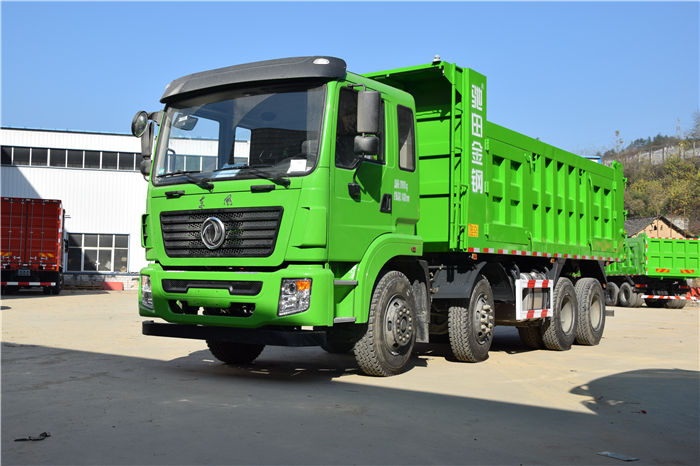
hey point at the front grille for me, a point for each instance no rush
(244, 288)
(250, 232)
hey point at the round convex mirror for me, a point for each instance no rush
(139, 124)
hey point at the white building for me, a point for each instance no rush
(97, 177)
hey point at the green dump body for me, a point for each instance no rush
(487, 189)
(659, 258)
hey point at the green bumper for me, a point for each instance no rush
(320, 312)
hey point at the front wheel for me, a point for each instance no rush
(234, 353)
(471, 324)
(386, 346)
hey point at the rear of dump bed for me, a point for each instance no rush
(487, 189)
(659, 258)
(31, 243)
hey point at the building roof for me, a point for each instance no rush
(637, 225)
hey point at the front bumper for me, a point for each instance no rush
(167, 297)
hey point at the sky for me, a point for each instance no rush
(568, 73)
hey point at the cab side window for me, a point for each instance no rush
(407, 140)
(346, 131)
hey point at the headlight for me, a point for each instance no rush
(295, 295)
(146, 294)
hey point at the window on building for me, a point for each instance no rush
(92, 159)
(109, 160)
(407, 152)
(57, 158)
(6, 155)
(139, 159)
(20, 156)
(40, 157)
(126, 161)
(75, 158)
(98, 253)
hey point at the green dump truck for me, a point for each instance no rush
(294, 203)
(653, 271)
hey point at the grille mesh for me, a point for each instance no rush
(250, 232)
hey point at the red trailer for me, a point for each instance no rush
(32, 244)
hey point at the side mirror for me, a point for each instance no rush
(145, 167)
(139, 124)
(368, 103)
(366, 145)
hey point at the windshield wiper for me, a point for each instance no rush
(255, 170)
(202, 182)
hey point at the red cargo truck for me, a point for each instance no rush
(32, 244)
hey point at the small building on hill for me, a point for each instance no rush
(655, 227)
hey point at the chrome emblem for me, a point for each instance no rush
(213, 233)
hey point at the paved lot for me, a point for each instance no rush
(77, 366)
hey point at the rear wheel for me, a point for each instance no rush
(654, 303)
(234, 353)
(47, 290)
(386, 346)
(682, 303)
(611, 292)
(591, 312)
(559, 331)
(59, 284)
(531, 337)
(471, 324)
(624, 297)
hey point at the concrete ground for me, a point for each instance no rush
(77, 366)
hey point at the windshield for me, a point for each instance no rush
(263, 132)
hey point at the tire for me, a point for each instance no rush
(639, 300)
(654, 303)
(10, 289)
(624, 297)
(591, 312)
(682, 303)
(611, 292)
(531, 337)
(338, 347)
(386, 345)
(46, 290)
(672, 303)
(471, 324)
(59, 286)
(234, 353)
(559, 331)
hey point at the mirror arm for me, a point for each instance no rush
(156, 116)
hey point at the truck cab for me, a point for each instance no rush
(277, 191)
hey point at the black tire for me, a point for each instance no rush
(531, 337)
(654, 303)
(611, 292)
(234, 353)
(624, 297)
(10, 289)
(59, 285)
(46, 290)
(672, 303)
(591, 312)
(559, 331)
(638, 300)
(471, 324)
(338, 347)
(386, 345)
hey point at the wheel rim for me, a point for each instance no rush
(398, 324)
(566, 314)
(483, 320)
(596, 312)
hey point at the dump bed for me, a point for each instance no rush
(659, 258)
(485, 188)
(31, 233)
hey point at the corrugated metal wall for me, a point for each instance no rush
(96, 201)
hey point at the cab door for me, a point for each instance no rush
(385, 200)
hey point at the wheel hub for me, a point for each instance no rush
(398, 324)
(485, 322)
